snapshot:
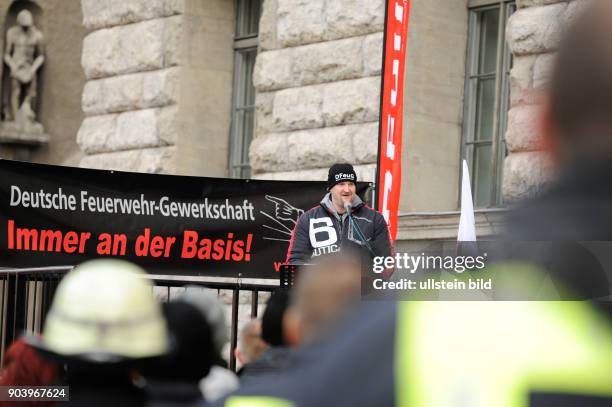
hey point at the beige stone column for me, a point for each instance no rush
(317, 78)
(533, 34)
(158, 91)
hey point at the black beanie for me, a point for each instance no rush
(340, 173)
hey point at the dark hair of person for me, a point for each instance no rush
(272, 320)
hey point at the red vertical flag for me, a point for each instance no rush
(389, 170)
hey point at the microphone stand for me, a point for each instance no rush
(348, 207)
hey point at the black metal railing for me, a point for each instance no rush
(26, 295)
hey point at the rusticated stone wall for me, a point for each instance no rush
(130, 61)
(158, 91)
(317, 78)
(533, 34)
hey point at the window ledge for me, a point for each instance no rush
(444, 225)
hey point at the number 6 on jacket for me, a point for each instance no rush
(326, 227)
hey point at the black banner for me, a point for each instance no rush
(51, 215)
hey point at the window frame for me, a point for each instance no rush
(238, 164)
(501, 98)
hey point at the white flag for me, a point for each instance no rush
(467, 227)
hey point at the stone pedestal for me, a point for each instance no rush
(19, 139)
(28, 133)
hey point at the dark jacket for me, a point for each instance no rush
(100, 385)
(577, 206)
(274, 359)
(556, 227)
(172, 393)
(321, 230)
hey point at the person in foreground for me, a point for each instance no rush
(576, 128)
(104, 325)
(277, 354)
(250, 344)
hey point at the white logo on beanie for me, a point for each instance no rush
(341, 176)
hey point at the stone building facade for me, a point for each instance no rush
(317, 82)
(147, 86)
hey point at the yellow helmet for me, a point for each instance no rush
(104, 311)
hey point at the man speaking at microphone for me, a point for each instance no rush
(341, 220)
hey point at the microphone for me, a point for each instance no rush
(348, 207)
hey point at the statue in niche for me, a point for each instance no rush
(23, 55)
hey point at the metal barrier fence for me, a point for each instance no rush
(26, 295)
